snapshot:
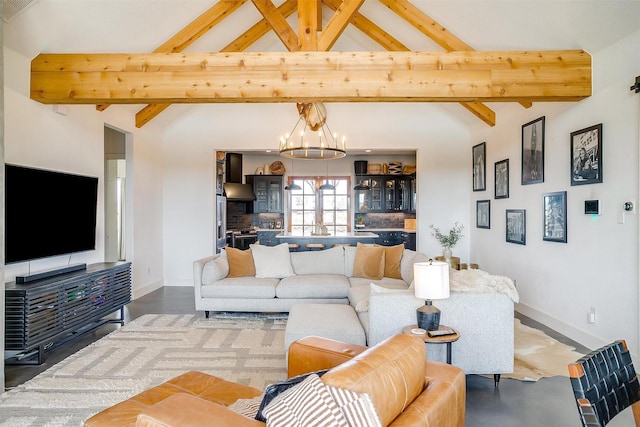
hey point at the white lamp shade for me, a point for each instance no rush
(431, 280)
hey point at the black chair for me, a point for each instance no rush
(605, 383)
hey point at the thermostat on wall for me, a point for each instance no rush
(592, 207)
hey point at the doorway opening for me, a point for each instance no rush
(114, 194)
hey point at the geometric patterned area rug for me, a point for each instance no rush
(146, 352)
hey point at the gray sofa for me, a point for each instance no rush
(483, 316)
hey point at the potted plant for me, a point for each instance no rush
(360, 221)
(448, 240)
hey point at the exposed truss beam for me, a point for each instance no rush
(311, 77)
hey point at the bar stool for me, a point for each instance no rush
(335, 245)
(315, 246)
(293, 247)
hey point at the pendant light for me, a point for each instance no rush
(293, 185)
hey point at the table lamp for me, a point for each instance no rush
(431, 282)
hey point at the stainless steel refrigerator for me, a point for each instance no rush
(221, 222)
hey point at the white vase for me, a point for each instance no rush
(446, 253)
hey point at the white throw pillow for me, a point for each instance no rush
(216, 269)
(272, 262)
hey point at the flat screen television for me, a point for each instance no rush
(48, 213)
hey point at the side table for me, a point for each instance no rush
(444, 339)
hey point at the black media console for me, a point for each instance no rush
(43, 314)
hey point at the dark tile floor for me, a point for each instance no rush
(548, 402)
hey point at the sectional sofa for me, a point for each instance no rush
(376, 282)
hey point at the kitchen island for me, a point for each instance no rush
(329, 240)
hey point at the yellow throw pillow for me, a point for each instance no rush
(240, 263)
(392, 258)
(369, 262)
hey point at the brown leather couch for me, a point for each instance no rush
(405, 388)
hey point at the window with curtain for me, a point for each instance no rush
(310, 205)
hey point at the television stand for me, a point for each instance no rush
(43, 314)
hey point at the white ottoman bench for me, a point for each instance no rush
(334, 321)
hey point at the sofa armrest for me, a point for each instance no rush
(186, 410)
(441, 403)
(311, 354)
(198, 267)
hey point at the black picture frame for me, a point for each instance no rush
(516, 226)
(483, 214)
(501, 179)
(533, 152)
(479, 159)
(554, 214)
(586, 155)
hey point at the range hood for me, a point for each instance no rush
(239, 192)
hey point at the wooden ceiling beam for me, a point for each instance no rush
(241, 43)
(385, 40)
(338, 23)
(432, 29)
(309, 23)
(311, 76)
(193, 31)
(278, 23)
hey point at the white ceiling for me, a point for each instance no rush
(94, 26)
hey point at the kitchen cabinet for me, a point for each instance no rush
(268, 192)
(268, 237)
(386, 193)
(389, 238)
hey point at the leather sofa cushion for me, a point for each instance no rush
(396, 369)
(313, 286)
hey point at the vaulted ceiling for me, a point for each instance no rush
(315, 67)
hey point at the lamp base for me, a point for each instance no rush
(428, 317)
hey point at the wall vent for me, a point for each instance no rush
(11, 8)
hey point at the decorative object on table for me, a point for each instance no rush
(431, 282)
(483, 214)
(360, 167)
(586, 155)
(516, 226)
(277, 168)
(259, 171)
(554, 209)
(501, 182)
(311, 137)
(359, 221)
(408, 169)
(479, 160)
(448, 240)
(533, 152)
(394, 168)
(266, 169)
(221, 155)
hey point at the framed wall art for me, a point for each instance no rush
(586, 155)
(501, 181)
(479, 167)
(483, 214)
(554, 209)
(516, 226)
(533, 152)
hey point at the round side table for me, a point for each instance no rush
(443, 339)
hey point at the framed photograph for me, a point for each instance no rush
(554, 207)
(533, 152)
(516, 226)
(483, 214)
(586, 155)
(479, 167)
(501, 182)
(278, 224)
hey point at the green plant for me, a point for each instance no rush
(448, 240)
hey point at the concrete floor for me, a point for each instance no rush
(547, 402)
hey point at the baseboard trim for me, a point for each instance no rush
(565, 329)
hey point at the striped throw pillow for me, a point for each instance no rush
(357, 408)
(307, 404)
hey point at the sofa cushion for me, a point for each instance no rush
(216, 269)
(369, 262)
(240, 262)
(400, 365)
(307, 404)
(313, 286)
(328, 261)
(241, 287)
(406, 264)
(272, 262)
(385, 281)
(392, 258)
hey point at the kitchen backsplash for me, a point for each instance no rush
(386, 220)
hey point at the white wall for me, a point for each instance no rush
(598, 266)
(37, 136)
(443, 160)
